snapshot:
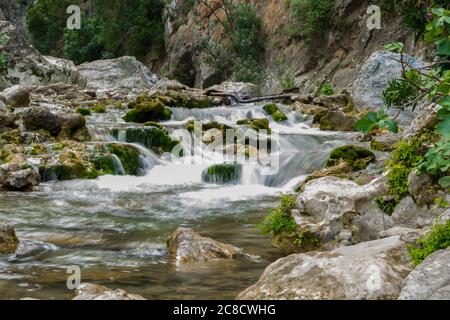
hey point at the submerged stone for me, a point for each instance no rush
(223, 174)
(8, 239)
(153, 110)
(273, 110)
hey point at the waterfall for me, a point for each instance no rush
(118, 167)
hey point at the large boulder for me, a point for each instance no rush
(329, 208)
(16, 96)
(374, 76)
(338, 121)
(7, 118)
(241, 89)
(89, 291)
(370, 270)
(430, 280)
(13, 177)
(122, 74)
(37, 118)
(186, 246)
(26, 66)
(8, 239)
(408, 214)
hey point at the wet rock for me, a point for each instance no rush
(330, 206)
(317, 112)
(36, 118)
(73, 126)
(27, 67)
(8, 239)
(16, 96)
(89, 291)
(7, 118)
(385, 142)
(341, 102)
(116, 75)
(12, 177)
(241, 89)
(357, 157)
(187, 246)
(430, 280)
(338, 121)
(370, 270)
(425, 119)
(223, 174)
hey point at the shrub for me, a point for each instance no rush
(84, 111)
(280, 221)
(325, 89)
(311, 17)
(437, 239)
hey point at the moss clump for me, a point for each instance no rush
(437, 239)
(154, 124)
(4, 156)
(59, 146)
(208, 126)
(99, 108)
(256, 124)
(84, 111)
(380, 146)
(273, 110)
(357, 157)
(129, 157)
(70, 166)
(386, 204)
(222, 174)
(103, 164)
(10, 137)
(146, 111)
(37, 149)
(114, 133)
(152, 138)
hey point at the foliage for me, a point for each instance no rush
(287, 81)
(437, 161)
(130, 27)
(325, 89)
(279, 221)
(3, 57)
(399, 92)
(437, 239)
(84, 111)
(357, 157)
(386, 205)
(310, 17)
(438, 31)
(376, 120)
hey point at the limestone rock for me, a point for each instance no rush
(409, 214)
(16, 96)
(26, 66)
(36, 118)
(12, 177)
(8, 238)
(89, 291)
(370, 270)
(430, 280)
(187, 246)
(338, 121)
(241, 89)
(7, 118)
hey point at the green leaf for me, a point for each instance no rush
(394, 47)
(443, 47)
(444, 127)
(372, 117)
(392, 125)
(444, 182)
(364, 125)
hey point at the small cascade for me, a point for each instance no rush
(118, 167)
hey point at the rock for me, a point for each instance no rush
(341, 102)
(16, 96)
(370, 270)
(73, 126)
(36, 118)
(8, 239)
(385, 142)
(338, 121)
(276, 114)
(430, 280)
(89, 291)
(331, 205)
(417, 184)
(7, 118)
(425, 119)
(408, 214)
(374, 76)
(187, 246)
(223, 174)
(241, 89)
(122, 74)
(12, 177)
(406, 234)
(28, 67)
(152, 110)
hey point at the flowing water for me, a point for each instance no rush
(116, 227)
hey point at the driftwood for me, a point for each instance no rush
(280, 96)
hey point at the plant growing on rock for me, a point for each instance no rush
(280, 220)
(376, 120)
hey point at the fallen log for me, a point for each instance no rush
(281, 96)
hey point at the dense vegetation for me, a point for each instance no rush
(132, 27)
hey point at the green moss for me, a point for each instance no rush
(279, 116)
(99, 108)
(128, 155)
(146, 111)
(379, 146)
(398, 181)
(152, 138)
(4, 156)
(103, 164)
(271, 108)
(154, 124)
(84, 111)
(437, 239)
(357, 157)
(408, 153)
(37, 149)
(222, 174)
(59, 146)
(386, 205)
(325, 89)
(69, 167)
(114, 133)
(10, 137)
(256, 124)
(276, 114)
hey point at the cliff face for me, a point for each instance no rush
(15, 11)
(335, 57)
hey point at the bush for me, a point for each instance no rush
(280, 221)
(311, 17)
(326, 89)
(437, 239)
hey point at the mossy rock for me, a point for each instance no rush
(84, 111)
(357, 157)
(37, 149)
(10, 137)
(256, 124)
(276, 114)
(99, 108)
(208, 126)
(381, 146)
(152, 138)
(146, 111)
(104, 164)
(70, 166)
(154, 124)
(222, 174)
(129, 157)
